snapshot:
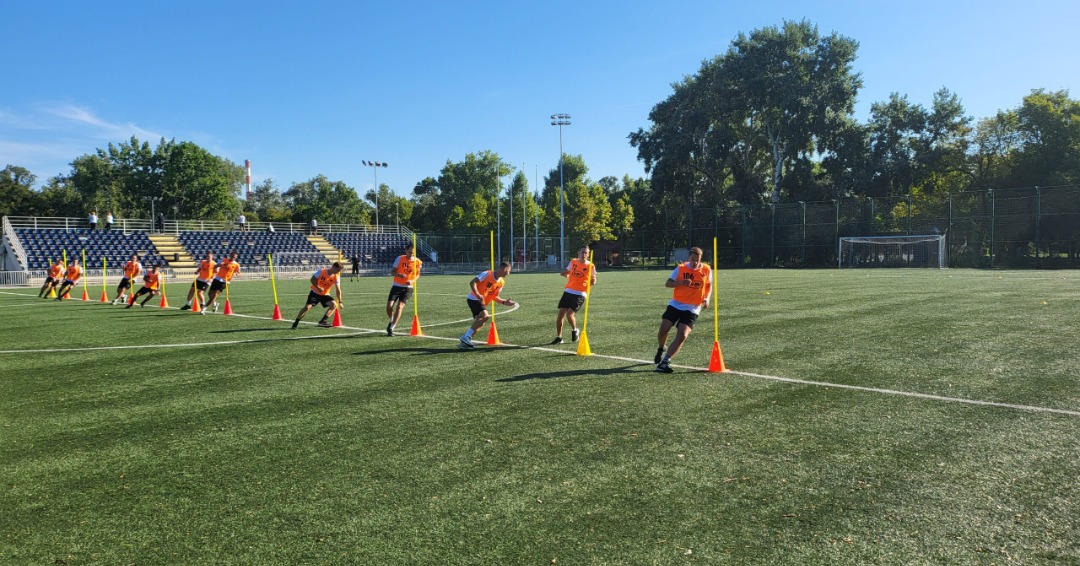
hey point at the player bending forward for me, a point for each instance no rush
(484, 289)
(692, 282)
(322, 281)
(150, 287)
(53, 279)
(131, 269)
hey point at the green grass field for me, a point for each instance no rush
(886, 416)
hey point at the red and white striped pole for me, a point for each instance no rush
(247, 166)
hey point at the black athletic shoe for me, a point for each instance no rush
(389, 329)
(659, 356)
(574, 335)
(185, 307)
(325, 323)
(295, 324)
(664, 367)
(557, 340)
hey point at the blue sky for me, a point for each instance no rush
(316, 87)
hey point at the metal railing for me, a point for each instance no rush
(14, 243)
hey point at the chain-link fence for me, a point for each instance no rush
(1034, 227)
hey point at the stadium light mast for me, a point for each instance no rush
(375, 168)
(561, 120)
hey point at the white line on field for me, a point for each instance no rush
(361, 331)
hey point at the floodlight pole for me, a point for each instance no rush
(561, 120)
(375, 168)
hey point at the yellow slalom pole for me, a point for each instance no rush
(492, 242)
(715, 308)
(273, 282)
(104, 274)
(416, 294)
(583, 348)
(85, 294)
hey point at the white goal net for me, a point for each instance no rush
(893, 251)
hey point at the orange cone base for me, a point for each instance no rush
(164, 302)
(716, 360)
(104, 298)
(493, 335)
(277, 313)
(337, 318)
(415, 327)
(195, 307)
(228, 307)
(85, 297)
(583, 345)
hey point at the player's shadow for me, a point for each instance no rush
(267, 329)
(432, 351)
(630, 369)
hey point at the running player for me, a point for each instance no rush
(581, 276)
(226, 270)
(151, 280)
(484, 289)
(131, 269)
(322, 281)
(405, 271)
(202, 281)
(692, 282)
(52, 280)
(71, 277)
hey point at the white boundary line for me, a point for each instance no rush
(362, 331)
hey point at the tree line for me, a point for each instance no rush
(770, 120)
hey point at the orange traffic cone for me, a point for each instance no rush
(716, 360)
(164, 302)
(277, 313)
(493, 335)
(415, 327)
(228, 307)
(337, 318)
(85, 297)
(195, 303)
(104, 298)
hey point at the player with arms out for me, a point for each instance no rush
(52, 280)
(692, 282)
(405, 271)
(202, 282)
(322, 281)
(226, 270)
(131, 268)
(150, 287)
(483, 289)
(581, 276)
(71, 277)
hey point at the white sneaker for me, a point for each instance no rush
(215, 306)
(466, 343)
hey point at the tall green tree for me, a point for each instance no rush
(17, 196)
(329, 202)
(267, 203)
(198, 183)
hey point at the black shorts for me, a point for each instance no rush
(51, 280)
(68, 282)
(217, 285)
(679, 316)
(402, 294)
(571, 301)
(201, 285)
(145, 290)
(475, 306)
(124, 283)
(314, 298)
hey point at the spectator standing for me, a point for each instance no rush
(92, 220)
(109, 220)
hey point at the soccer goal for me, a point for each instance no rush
(893, 251)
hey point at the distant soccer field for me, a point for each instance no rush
(877, 416)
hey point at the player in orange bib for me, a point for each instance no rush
(484, 289)
(322, 281)
(405, 271)
(581, 276)
(52, 280)
(692, 282)
(202, 281)
(226, 270)
(150, 287)
(131, 269)
(71, 277)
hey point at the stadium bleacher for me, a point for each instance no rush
(372, 249)
(115, 247)
(253, 247)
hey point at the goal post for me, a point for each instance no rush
(892, 251)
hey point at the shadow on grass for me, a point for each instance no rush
(431, 351)
(266, 329)
(630, 369)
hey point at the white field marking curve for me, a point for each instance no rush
(791, 380)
